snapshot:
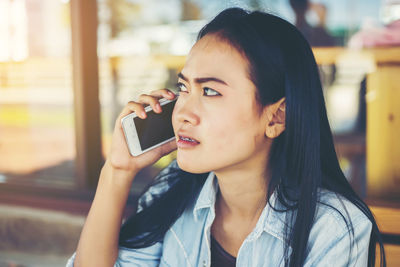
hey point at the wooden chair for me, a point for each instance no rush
(388, 220)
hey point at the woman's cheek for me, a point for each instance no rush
(218, 130)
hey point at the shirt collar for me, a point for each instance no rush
(270, 221)
(273, 219)
(207, 195)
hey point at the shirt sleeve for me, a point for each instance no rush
(149, 256)
(162, 182)
(143, 257)
(338, 247)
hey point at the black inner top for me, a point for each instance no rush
(219, 257)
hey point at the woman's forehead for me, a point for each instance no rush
(213, 43)
(213, 55)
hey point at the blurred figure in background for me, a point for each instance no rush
(315, 35)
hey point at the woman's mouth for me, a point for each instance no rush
(186, 142)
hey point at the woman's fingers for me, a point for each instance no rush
(154, 97)
(152, 101)
(144, 99)
(131, 107)
(166, 93)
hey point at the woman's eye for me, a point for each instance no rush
(210, 92)
(181, 87)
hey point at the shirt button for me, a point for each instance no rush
(204, 264)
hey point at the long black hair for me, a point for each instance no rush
(302, 159)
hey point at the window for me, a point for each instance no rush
(58, 108)
(37, 142)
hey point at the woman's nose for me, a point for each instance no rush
(186, 112)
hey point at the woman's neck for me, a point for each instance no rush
(240, 200)
(242, 194)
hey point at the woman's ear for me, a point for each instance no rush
(276, 114)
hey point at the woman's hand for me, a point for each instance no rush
(98, 244)
(119, 156)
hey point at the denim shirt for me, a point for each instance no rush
(187, 242)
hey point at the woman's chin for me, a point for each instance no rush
(190, 166)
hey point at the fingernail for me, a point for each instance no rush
(158, 107)
(143, 114)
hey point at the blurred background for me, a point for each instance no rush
(67, 67)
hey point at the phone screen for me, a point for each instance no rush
(156, 128)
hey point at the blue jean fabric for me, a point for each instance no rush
(187, 242)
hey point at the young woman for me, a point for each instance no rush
(256, 181)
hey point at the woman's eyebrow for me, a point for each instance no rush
(203, 79)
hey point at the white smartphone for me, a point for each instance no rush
(142, 135)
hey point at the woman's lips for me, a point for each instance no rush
(186, 142)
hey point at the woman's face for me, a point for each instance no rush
(217, 107)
